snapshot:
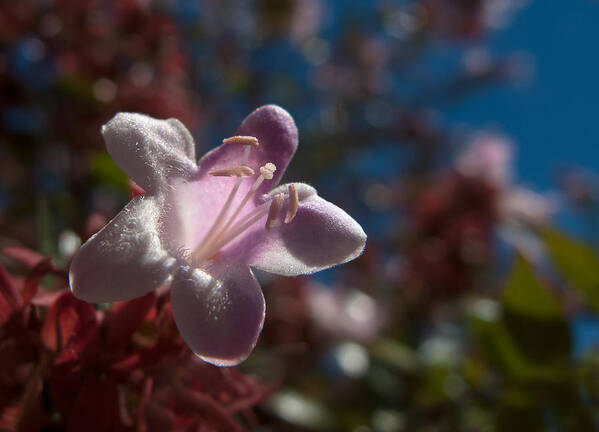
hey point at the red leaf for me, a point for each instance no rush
(126, 364)
(7, 289)
(26, 256)
(64, 385)
(205, 406)
(68, 355)
(96, 408)
(126, 317)
(153, 417)
(5, 310)
(34, 277)
(9, 417)
(45, 298)
(30, 414)
(66, 318)
(142, 423)
(8, 297)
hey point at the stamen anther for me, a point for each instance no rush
(237, 171)
(293, 204)
(273, 211)
(268, 170)
(242, 140)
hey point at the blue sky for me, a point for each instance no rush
(553, 118)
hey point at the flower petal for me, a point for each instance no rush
(277, 136)
(150, 150)
(320, 236)
(125, 259)
(219, 314)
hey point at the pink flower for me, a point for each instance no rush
(201, 226)
(345, 313)
(489, 157)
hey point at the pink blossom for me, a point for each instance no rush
(490, 157)
(345, 313)
(201, 226)
(522, 205)
(487, 156)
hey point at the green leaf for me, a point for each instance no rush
(525, 295)
(578, 263)
(502, 349)
(396, 355)
(46, 228)
(518, 413)
(105, 171)
(534, 319)
(77, 88)
(531, 343)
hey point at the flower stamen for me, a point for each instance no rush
(267, 170)
(217, 236)
(273, 211)
(266, 173)
(224, 210)
(293, 204)
(239, 228)
(242, 140)
(237, 171)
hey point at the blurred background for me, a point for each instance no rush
(461, 134)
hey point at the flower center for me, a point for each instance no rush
(226, 228)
